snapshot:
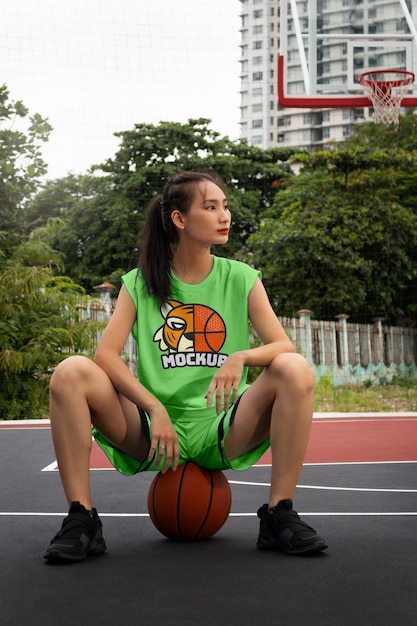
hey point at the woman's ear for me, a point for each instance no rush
(177, 218)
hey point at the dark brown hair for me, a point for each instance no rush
(159, 234)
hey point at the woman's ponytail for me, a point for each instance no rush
(159, 234)
(155, 250)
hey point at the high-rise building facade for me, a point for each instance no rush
(263, 121)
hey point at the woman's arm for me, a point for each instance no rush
(268, 328)
(164, 440)
(109, 350)
(274, 340)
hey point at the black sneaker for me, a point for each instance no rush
(282, 529)
(79, 536)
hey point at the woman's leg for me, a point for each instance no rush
(81, 394)
(279, 404)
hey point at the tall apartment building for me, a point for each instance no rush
(264, 122)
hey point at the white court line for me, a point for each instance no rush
(303, 514)
(52, 467)
(357, 489)
(350, 463)
(318, 487)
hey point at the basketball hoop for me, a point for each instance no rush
(386, 89)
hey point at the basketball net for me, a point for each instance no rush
(386, 89)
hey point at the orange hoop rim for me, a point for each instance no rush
(365, 79)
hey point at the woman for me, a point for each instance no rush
(188, 311)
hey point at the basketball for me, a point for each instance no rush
(209, 329)
(189, 504)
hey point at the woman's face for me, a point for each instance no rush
(208, 218)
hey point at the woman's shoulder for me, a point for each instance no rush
(237, 267)
(132, 279)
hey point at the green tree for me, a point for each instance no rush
(40, 324)
(78, 207)
(21, 165)
(342, 237)
(103, 211)
(55, 199)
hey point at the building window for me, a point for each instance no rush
(257, 140)
(401, 25)
(376, 27)
(258, 13)
(256, 123)
(257, 107)
(257, 45)
(401, 58)
(257, 91)
(257, 76)
(285, 120)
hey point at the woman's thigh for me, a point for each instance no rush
(288, 376)
(79, 385)
(251, 423)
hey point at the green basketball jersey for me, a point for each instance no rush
(184, 342)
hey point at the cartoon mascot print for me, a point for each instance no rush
(191, 329)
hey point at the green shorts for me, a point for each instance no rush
(200, 441)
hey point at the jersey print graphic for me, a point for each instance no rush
(193, 335)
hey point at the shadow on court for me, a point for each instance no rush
(366, 511)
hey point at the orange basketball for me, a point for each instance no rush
(209, 329)
(189, 504)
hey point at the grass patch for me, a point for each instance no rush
(399, 395)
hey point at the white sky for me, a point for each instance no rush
(95, 67)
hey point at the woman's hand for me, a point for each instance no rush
(225, 382)
(164, 442)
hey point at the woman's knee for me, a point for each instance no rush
(68, 372)
(293, 369)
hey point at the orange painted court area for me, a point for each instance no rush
(344, 440)
(361, 440)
